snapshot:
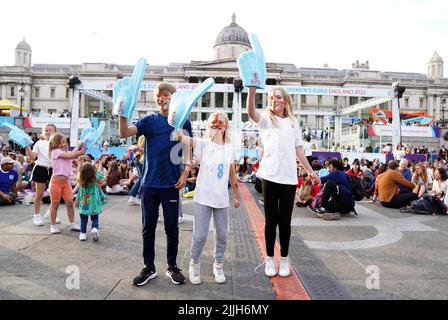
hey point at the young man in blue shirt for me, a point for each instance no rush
(161, 181)
(8, 182)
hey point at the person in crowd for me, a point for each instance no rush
(439, 184)
(115, 184)
(138, 161)
(282, 141)
(8, 182)
(215, 154)
(61, 161)
(42, 171)
(387, 188)
(421, 179)
(337, 198)
(399, 153)
(90, 200)
(161, 181)
(355, 170)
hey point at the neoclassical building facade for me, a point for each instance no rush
(46, 89)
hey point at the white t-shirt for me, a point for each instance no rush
(279, 160)
(213, 178)
(41, 147)
(399, 154)
(307, 147)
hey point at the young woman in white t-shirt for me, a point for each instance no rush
(42, 170)
(216, 156)
(282, 140)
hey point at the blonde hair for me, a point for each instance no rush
(42, 136)
(287, 112)
(424, 174)
(141, 144)
(55, 140)
(226, 133)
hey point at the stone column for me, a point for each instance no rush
(4, 87)
(212, 100)
(430, 99)
(437, 107)
(226, 97)
(264, 100)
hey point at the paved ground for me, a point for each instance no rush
(406, 253)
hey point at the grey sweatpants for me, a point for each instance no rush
(201, 225)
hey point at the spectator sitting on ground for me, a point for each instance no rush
(355, 169)
(406, 173)
(369, 178)
(113, 179)
(324, 171)
(439, 184)
(8, 182)
(337, 197)
(421, 179)
(387, 188)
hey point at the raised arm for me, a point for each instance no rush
(125, 130)
(250, 105)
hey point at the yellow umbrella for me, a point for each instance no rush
(8, 105)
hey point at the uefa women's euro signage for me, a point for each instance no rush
(323, 91)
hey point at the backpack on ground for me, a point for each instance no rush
(426, 205)
(357, 187)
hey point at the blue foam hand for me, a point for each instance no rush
(182, 102)
(18, 135)
(90, 136)
(125, 93)
(252, 66)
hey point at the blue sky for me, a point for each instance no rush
(394, 35)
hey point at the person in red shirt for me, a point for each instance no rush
(355, 170)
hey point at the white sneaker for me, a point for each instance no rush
(83, 236)
(194, 273)
(95, 234)
(37, 220)
(269, 269)
(74, 227)
(284, 269)
(133, 201)
(180, 220)
(54, 229)
(47, 217)
(218, 271)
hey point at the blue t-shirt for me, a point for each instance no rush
(340, 178)
(407, 174)
(159, 171)
(7, 179)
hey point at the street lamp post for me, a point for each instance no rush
(21, 94)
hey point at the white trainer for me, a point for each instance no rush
(54, 229)
(194, 273)
(133, 201)
(47, 217)
(95, 234)
(180, 219)
(37, 220)
(218, 271)
(269, 269)
(74, 227)
(284, 269)
(83, 236)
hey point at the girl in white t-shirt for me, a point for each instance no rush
(282, 140)
(42, 170)
(216, 156)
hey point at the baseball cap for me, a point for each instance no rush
(6, 160)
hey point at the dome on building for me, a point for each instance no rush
(23, 45)
(435, 58)
(233, 34)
